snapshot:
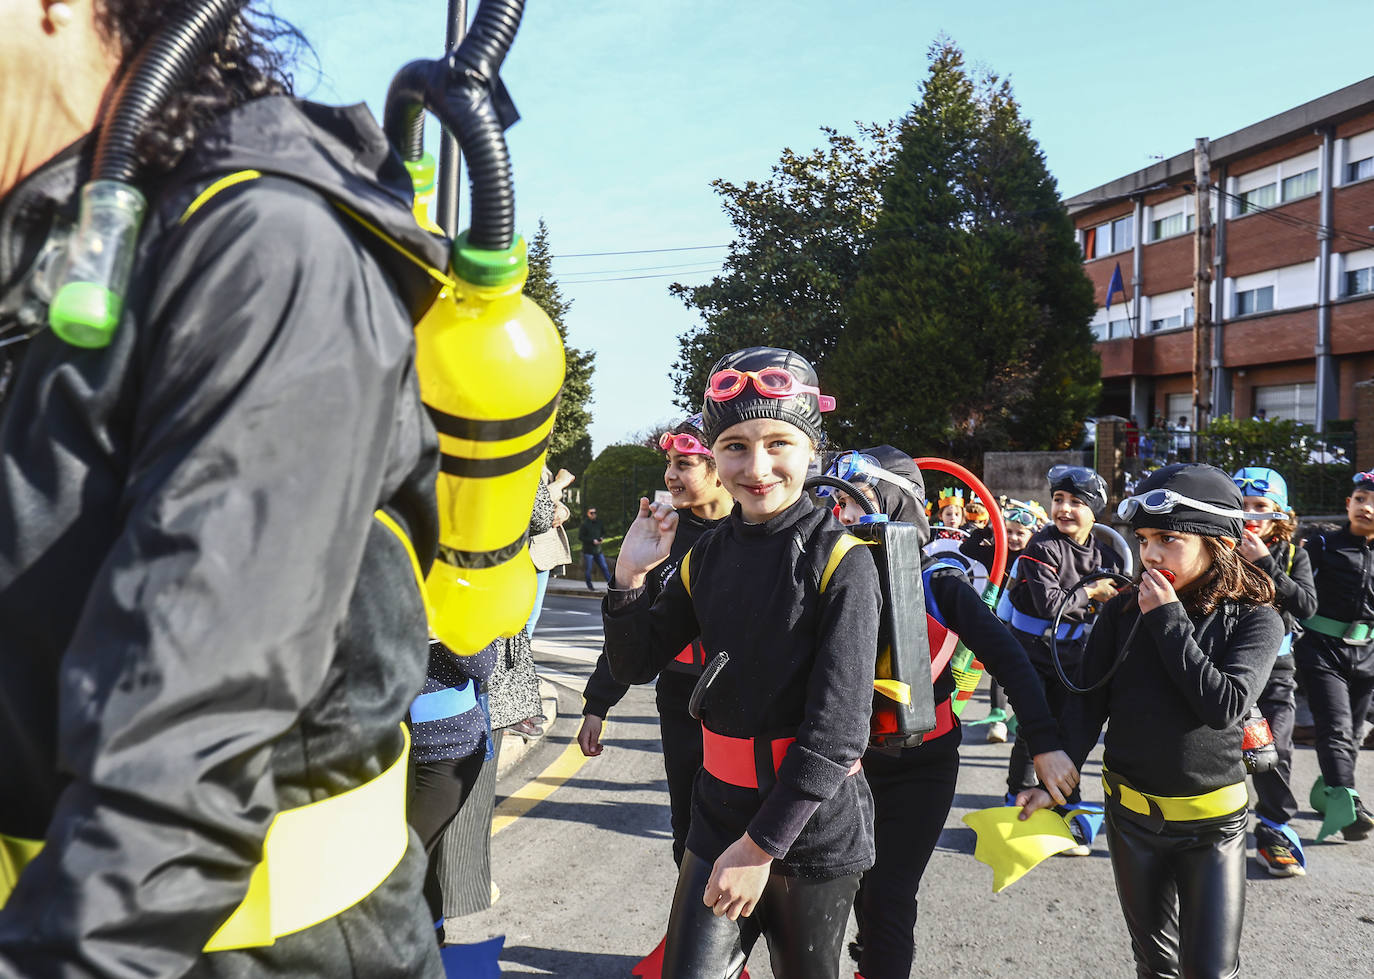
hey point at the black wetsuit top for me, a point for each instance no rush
(604, 691)
(1343, 569)
(1295, 593)
(1050, 565)
(801, 665)
(1178, 702)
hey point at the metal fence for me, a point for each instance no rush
(1317, 467)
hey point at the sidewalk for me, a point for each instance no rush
(576, 587)
(514, 748)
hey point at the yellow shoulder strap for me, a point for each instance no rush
(1292, 553)
(685, 570)
(842, 547)
(222, 184)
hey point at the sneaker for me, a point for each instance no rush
(997, 732)
(1363, 824)
(529, 729)
(1080, 847)
(1277, 857)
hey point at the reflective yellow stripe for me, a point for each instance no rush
(685, 569)
(317, 860)
(15, 854)
(1183, 808)
(223, 183)
(320, 860)
(842, 547)
(385, 519)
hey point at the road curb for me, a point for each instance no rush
(515, 748)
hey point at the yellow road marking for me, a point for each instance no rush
(529, 795)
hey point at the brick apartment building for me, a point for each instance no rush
(1293, 307)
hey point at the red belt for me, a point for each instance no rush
(734, 760)
(944, 720)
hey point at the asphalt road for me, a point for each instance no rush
(586, 876)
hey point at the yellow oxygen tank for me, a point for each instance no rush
(491, 366)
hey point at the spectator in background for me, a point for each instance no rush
(1183, 440)
(550, 549)
(591, 534)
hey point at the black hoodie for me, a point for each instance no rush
(201, 621)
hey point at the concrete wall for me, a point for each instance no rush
(1021, 475)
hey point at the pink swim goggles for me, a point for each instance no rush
(684, 443)
(771, 382)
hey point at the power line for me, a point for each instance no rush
(642, 268)
(662, 275)
(641, 251)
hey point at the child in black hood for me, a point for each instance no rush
(913, 788)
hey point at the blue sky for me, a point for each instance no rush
(630, 109)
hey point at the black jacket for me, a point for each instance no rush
(801, 665)
(1295, 593)
(1050, 565)
(589, 533)
(604, 691)
(1343, 569)
(964, 612)
(201, 621)
(1177, 703)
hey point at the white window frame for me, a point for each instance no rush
(1274, 174)
(1356, 149)
(1302, 394)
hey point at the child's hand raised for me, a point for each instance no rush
(646, 543)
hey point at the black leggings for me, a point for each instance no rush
(912, 795)
(1021, 766)
(1272, 788)
(1182, 892)
(803, 922)
(1339, 682)
(681, 737)
(438, 791)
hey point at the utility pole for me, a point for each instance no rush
(1202, 289)
(450, 154)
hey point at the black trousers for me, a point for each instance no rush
(998, 697)
(1339, 682)
(438, 791)
(1182, 891)
(682, 753)
(803, 922)
(912, 795)
(1272, 789)
(1021, 766)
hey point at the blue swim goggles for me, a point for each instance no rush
(856, 467)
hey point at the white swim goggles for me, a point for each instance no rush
(1166, 501)
(855, 467)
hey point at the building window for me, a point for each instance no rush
(1123, 231)
(1359, 169)
(1255, 301)
(1167, 323)
(1254, 199)
(1174, 224)
(1359, 281)
(1295, 401)
(1300, 185)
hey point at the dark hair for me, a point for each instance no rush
(246, 64)
(1230, 577)
(685, 427)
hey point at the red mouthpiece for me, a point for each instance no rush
(1168, 574)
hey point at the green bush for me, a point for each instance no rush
(615, 481)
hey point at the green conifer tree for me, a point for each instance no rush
(570, 446)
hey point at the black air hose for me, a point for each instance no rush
(459, 90)
(165, 63)
(847, 488)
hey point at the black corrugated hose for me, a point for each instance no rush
(164, 63)
(463, 90)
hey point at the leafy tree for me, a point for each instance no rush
(968, 327)
(799, 236)
(615, 481)
(570, 446)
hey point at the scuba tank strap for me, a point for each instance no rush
(1292, 553)
(684, 571)
(843, 545)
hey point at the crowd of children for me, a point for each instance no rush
(759, 614)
